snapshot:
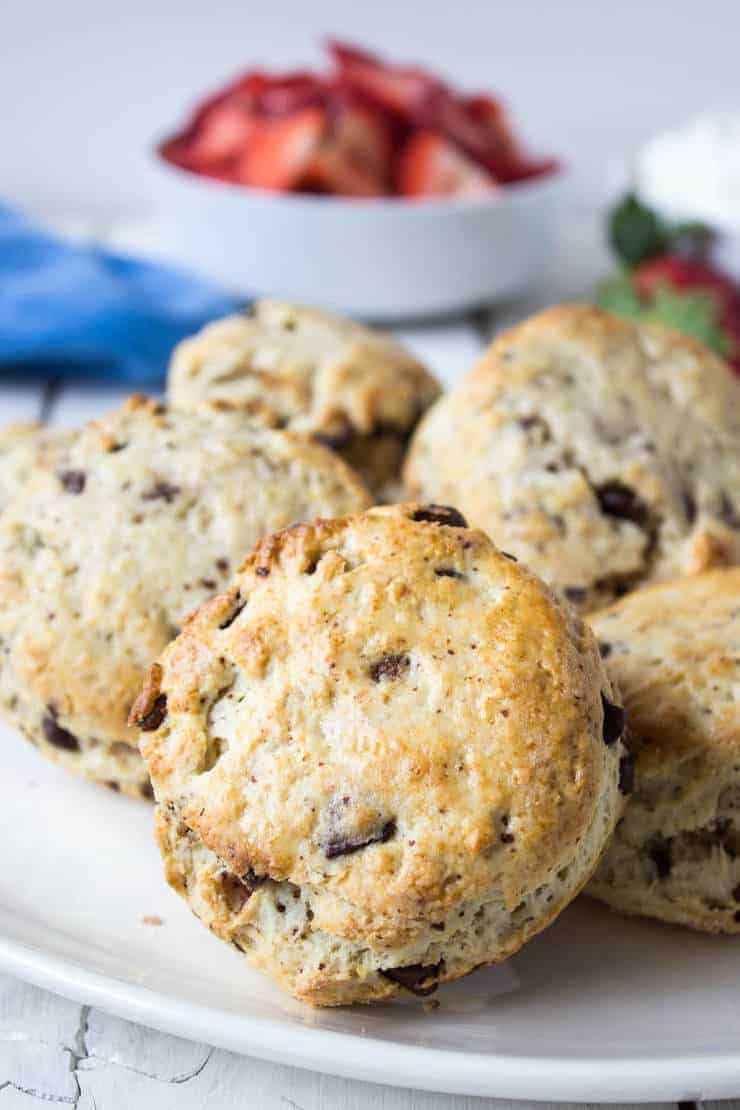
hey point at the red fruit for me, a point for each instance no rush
(477, 125)
(504, 156)
(681, 272)
(363, 134)
(694, 276)
(331, 170)
(281, 150)
(222, 134)
(431, 166)
(399, 90)
(282, 96)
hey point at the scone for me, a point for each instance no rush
(102, 558)
(674, 650)
(355, 390)
(602, 453)
(384, 756)
(22, 448)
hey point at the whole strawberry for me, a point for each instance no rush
(668, 277)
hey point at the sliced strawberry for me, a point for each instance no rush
(331, 170)
(281, 151)
(246, 88)
(398, 89)
(477, 124)
(490, 115)
(222, 134)
(363, 133)
(287, 94)
(431, 166)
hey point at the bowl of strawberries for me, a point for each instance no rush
(374, 189)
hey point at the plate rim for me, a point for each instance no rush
(351, 1056)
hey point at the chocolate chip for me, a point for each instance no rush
(208, 583)
(448, 572)
(73, 481)
(339, 845)
(736, 917)
(147, 791)
(659, 851)
(438, 926)
(238, 889)
(441, 514)
(222, 565)
(415, 977)
(161, 491)
(689, 505)
(507, 838)
(613, 725)
(620, 501)
(113, 786)
(56, 735)
(627, 774)
(512, 558)
(605, 649)
(151, 721)
(239, 605)
(727, 511)
(337, 440)
(389, 667)
(576, 594)
(262, 572)
(531, 422)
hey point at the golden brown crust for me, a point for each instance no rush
(602, 453)
(674, 650)
(103, 556)
(390, 714)
(353, 388)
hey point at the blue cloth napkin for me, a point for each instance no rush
(85, 312)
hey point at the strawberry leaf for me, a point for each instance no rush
(618, 294)
(635, 231)
(693, 314)
(694, 239)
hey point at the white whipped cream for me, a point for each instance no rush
(693, 171)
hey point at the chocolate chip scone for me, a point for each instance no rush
(355, 390)
(101, 559)
(602, 453)
(674, 650)
(387, 754)
(22, 448)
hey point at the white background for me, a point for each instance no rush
(84, 84)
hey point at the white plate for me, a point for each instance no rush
(596, 1009)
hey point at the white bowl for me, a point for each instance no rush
(384, 259)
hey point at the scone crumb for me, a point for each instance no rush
(152, 919)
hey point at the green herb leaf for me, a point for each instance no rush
(618, 295)
(693, 239)
(694, 314)
(635, 232)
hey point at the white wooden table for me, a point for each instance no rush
(52, 1051)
